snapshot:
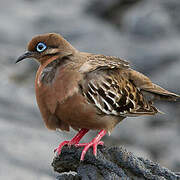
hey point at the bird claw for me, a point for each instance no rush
(94, 144)
(75, 141)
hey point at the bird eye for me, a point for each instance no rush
(41, 47)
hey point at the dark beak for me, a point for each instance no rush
(27, 54)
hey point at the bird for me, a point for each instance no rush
(86, 91)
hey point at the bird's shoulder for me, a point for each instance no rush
(99, 61)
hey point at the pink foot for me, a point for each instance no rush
(94, 143)
(73, 141)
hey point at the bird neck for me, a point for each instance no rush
(45, 61)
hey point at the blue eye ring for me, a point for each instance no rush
(41, 47)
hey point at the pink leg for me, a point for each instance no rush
(75, 140)
(94, 143)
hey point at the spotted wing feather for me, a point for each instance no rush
(115, 95)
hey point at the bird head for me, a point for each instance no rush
(45, 46)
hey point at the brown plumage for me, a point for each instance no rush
(87, 91)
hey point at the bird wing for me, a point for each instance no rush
(113, 93)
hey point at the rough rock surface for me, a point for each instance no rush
(147, 35)
(111, 163)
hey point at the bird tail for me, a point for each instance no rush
(149, 89)
(159, 93)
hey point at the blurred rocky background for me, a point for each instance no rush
(145, 32)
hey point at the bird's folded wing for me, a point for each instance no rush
(114, 94)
